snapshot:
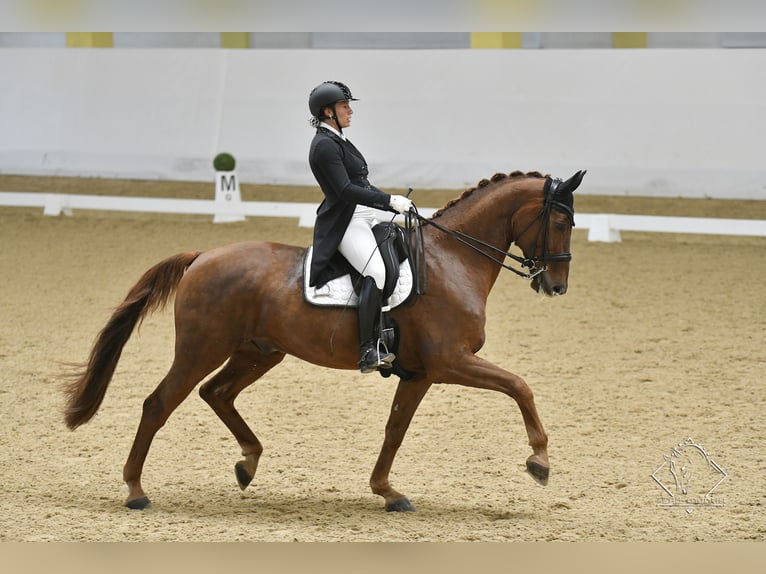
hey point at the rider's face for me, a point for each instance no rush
(344, 112)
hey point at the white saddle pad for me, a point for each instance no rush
(340, 292)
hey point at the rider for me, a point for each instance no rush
(343, 230)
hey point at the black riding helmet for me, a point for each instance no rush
(326, 95)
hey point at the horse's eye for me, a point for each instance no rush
(559, 226)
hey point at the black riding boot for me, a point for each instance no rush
(372, 355)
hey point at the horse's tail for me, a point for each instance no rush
(87, 388)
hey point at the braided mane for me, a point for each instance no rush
(484, 183)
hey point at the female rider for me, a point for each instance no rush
(343, 230)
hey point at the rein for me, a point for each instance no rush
(531, 263)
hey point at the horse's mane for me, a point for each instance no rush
(484, 183)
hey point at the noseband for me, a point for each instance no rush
(536, 265)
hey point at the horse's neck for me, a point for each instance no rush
(486, 215)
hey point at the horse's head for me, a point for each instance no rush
(543, 234)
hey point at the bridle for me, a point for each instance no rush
(536, 264)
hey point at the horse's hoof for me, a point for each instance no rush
(138, 503)
(244, 478)
(401, 505)
(538, 472)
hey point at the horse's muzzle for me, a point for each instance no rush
(551, 287)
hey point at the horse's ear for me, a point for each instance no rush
(573, 182)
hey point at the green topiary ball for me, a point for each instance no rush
(224, 162)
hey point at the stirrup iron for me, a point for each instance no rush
(375, 357)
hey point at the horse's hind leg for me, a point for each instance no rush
(157, 408)
(406, 401)
(246, 366)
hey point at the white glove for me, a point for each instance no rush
(400, 203)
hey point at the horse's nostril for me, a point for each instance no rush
(559, 289)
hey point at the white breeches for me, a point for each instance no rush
(359, 247)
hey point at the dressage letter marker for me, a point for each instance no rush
(228, 201)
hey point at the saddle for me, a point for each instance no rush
(342, 291)
(398, 287)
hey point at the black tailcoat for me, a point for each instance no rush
(341, 171)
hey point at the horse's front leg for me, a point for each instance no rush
(472, 371)
(406, 400)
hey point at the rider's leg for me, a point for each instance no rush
(361, 250)
(372, 355)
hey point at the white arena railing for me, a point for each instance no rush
(601, 227)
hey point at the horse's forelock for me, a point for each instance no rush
(485, 182)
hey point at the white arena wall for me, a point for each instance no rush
(649, 122)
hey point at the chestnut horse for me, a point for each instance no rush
(243, 304)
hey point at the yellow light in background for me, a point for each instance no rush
(89, 40)
(235, 39)
(495, 39)
(629, 39)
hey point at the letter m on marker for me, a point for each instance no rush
(228, 182)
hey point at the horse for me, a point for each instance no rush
(242, 304)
